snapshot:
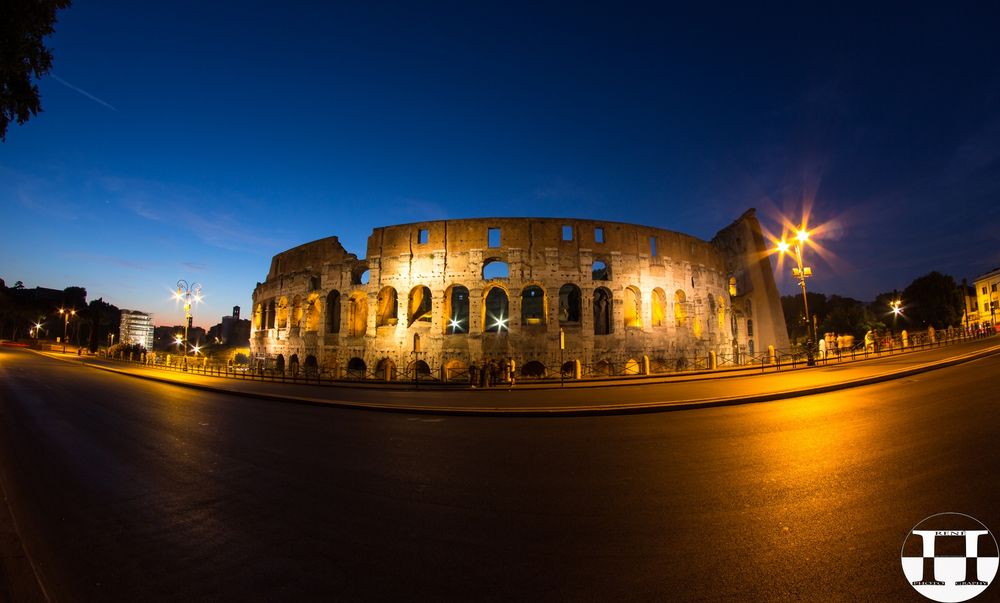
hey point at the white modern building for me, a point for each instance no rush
(137, 328)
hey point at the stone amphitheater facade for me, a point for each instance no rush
(556, 296)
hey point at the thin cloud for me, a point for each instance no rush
(83, 92)
(196, 266)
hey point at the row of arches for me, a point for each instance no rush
(495, 311)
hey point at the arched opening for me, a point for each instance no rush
(456, 310)
(357, 314)
(258, 316)
(632, 367)
(749, 308)
(270, 318)
(680, 313)
(385, 370)
(569, 304)
(495, 268)
(312, 312)
(568, 369)
(356, 368)
(749, 327)
(602, 311)
(360, 275)
(533, 305)
(603, 369)
(419, 306)
(416, 342)
(732, 286)
(387, 308)
(333, 312)
(632, 312)
(279, 363)
(496, 311)
(658, 310)
(310, 365)
(750, 346)
(296, 311)
(419, 369)
(600, 271)
(282, 316)
(293, 364)
(533, 370)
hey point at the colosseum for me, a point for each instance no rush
(556, 298)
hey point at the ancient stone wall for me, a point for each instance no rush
(434, 297)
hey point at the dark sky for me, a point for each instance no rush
(196, 140)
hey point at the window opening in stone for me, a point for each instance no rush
(567, 233)
(600, 271)
(602, 311)
(494, 268)
(422, 236)
(598, 235)
(282, 313)
(496, 310)
(632, 313)
(357, 314)
(652, 246)
(569, 304)
(493, 238)
(333, 312)
(680, 314)
(386, 311)
(419, 308)
(296, 311)
(533, 305)
(312, 312)
(659, 308)
(749, 327)
(360, 276)
(456, 310)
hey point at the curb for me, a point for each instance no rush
(575, 411)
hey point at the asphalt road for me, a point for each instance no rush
(133, 490)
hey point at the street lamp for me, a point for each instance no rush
(66, 314)
(186, 293)
(801, 273)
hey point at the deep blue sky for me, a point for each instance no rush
(196, 140)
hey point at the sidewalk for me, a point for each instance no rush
(622, 397)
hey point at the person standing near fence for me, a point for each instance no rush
(473, 375)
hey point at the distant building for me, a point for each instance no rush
(231, 331)
(137, 328)
(988, 297)
(970, 307)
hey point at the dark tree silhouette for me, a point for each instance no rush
(23, 56)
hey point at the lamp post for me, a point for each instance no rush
(185, 293)
(801, 273)
(66, 314)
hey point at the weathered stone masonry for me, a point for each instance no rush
(435, 296)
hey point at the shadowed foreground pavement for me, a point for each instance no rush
(134, 490)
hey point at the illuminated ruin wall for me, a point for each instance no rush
(435, 296)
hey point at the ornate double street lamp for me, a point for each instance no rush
(801, 273)
(66, 314)
(186, 293)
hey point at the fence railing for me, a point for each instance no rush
(621, 366)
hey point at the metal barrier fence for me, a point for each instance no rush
(621, 366)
